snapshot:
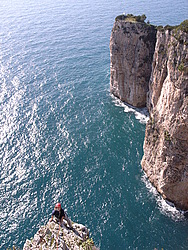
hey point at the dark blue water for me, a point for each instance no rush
(63, 137)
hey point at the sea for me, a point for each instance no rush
(65, 138)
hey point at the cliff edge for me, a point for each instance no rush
(52, 236)
(150, 65)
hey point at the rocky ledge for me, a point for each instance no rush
(53, 236)
(149, 67)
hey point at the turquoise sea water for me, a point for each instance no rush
(63, 137)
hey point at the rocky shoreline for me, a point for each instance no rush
(149, 67)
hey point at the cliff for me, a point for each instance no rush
(132, 46)
(165, 159)
(51, 236)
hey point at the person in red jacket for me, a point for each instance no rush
(60, 215)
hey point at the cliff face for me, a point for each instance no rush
(131, 49)
(165, 158)
(143, 59)
(52, 236)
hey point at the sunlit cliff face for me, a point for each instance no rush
(153, 67)
(131, 51)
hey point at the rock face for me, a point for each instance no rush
(165, 158)
(136, 48)
(132, 46)
(52, 236)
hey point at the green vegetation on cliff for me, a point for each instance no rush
(182, 26)
(131, 18)
(141, 19)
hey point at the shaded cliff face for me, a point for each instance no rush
(132, 46)
(165, 159)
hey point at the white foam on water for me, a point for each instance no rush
(165, 207)
(141, 114)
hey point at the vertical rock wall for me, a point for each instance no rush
(132, 46)
(143, 59)
(165, 158)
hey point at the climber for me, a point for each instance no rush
(60, 215)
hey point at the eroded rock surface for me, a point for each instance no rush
(144, 57)
(52, 236)
(132, 46)
(165, 158)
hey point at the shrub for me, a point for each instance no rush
(183, 26)
(167, 136)
(131, 18)
(140, 18)
(120, 17)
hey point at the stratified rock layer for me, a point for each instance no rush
(165, 159)
(53, 236)
(132, 46)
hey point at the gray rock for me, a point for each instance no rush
(165, 159)
(132, 46)
(153, 67)
(54, 236)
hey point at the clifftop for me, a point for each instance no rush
(131, 18)
(182, 26)
(141, 19)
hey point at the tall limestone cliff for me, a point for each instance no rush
(132, 46)
(165, 159)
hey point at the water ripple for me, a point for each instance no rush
(64, 137)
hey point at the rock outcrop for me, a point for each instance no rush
(132, 46)
(52, 236)
(165, 159)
